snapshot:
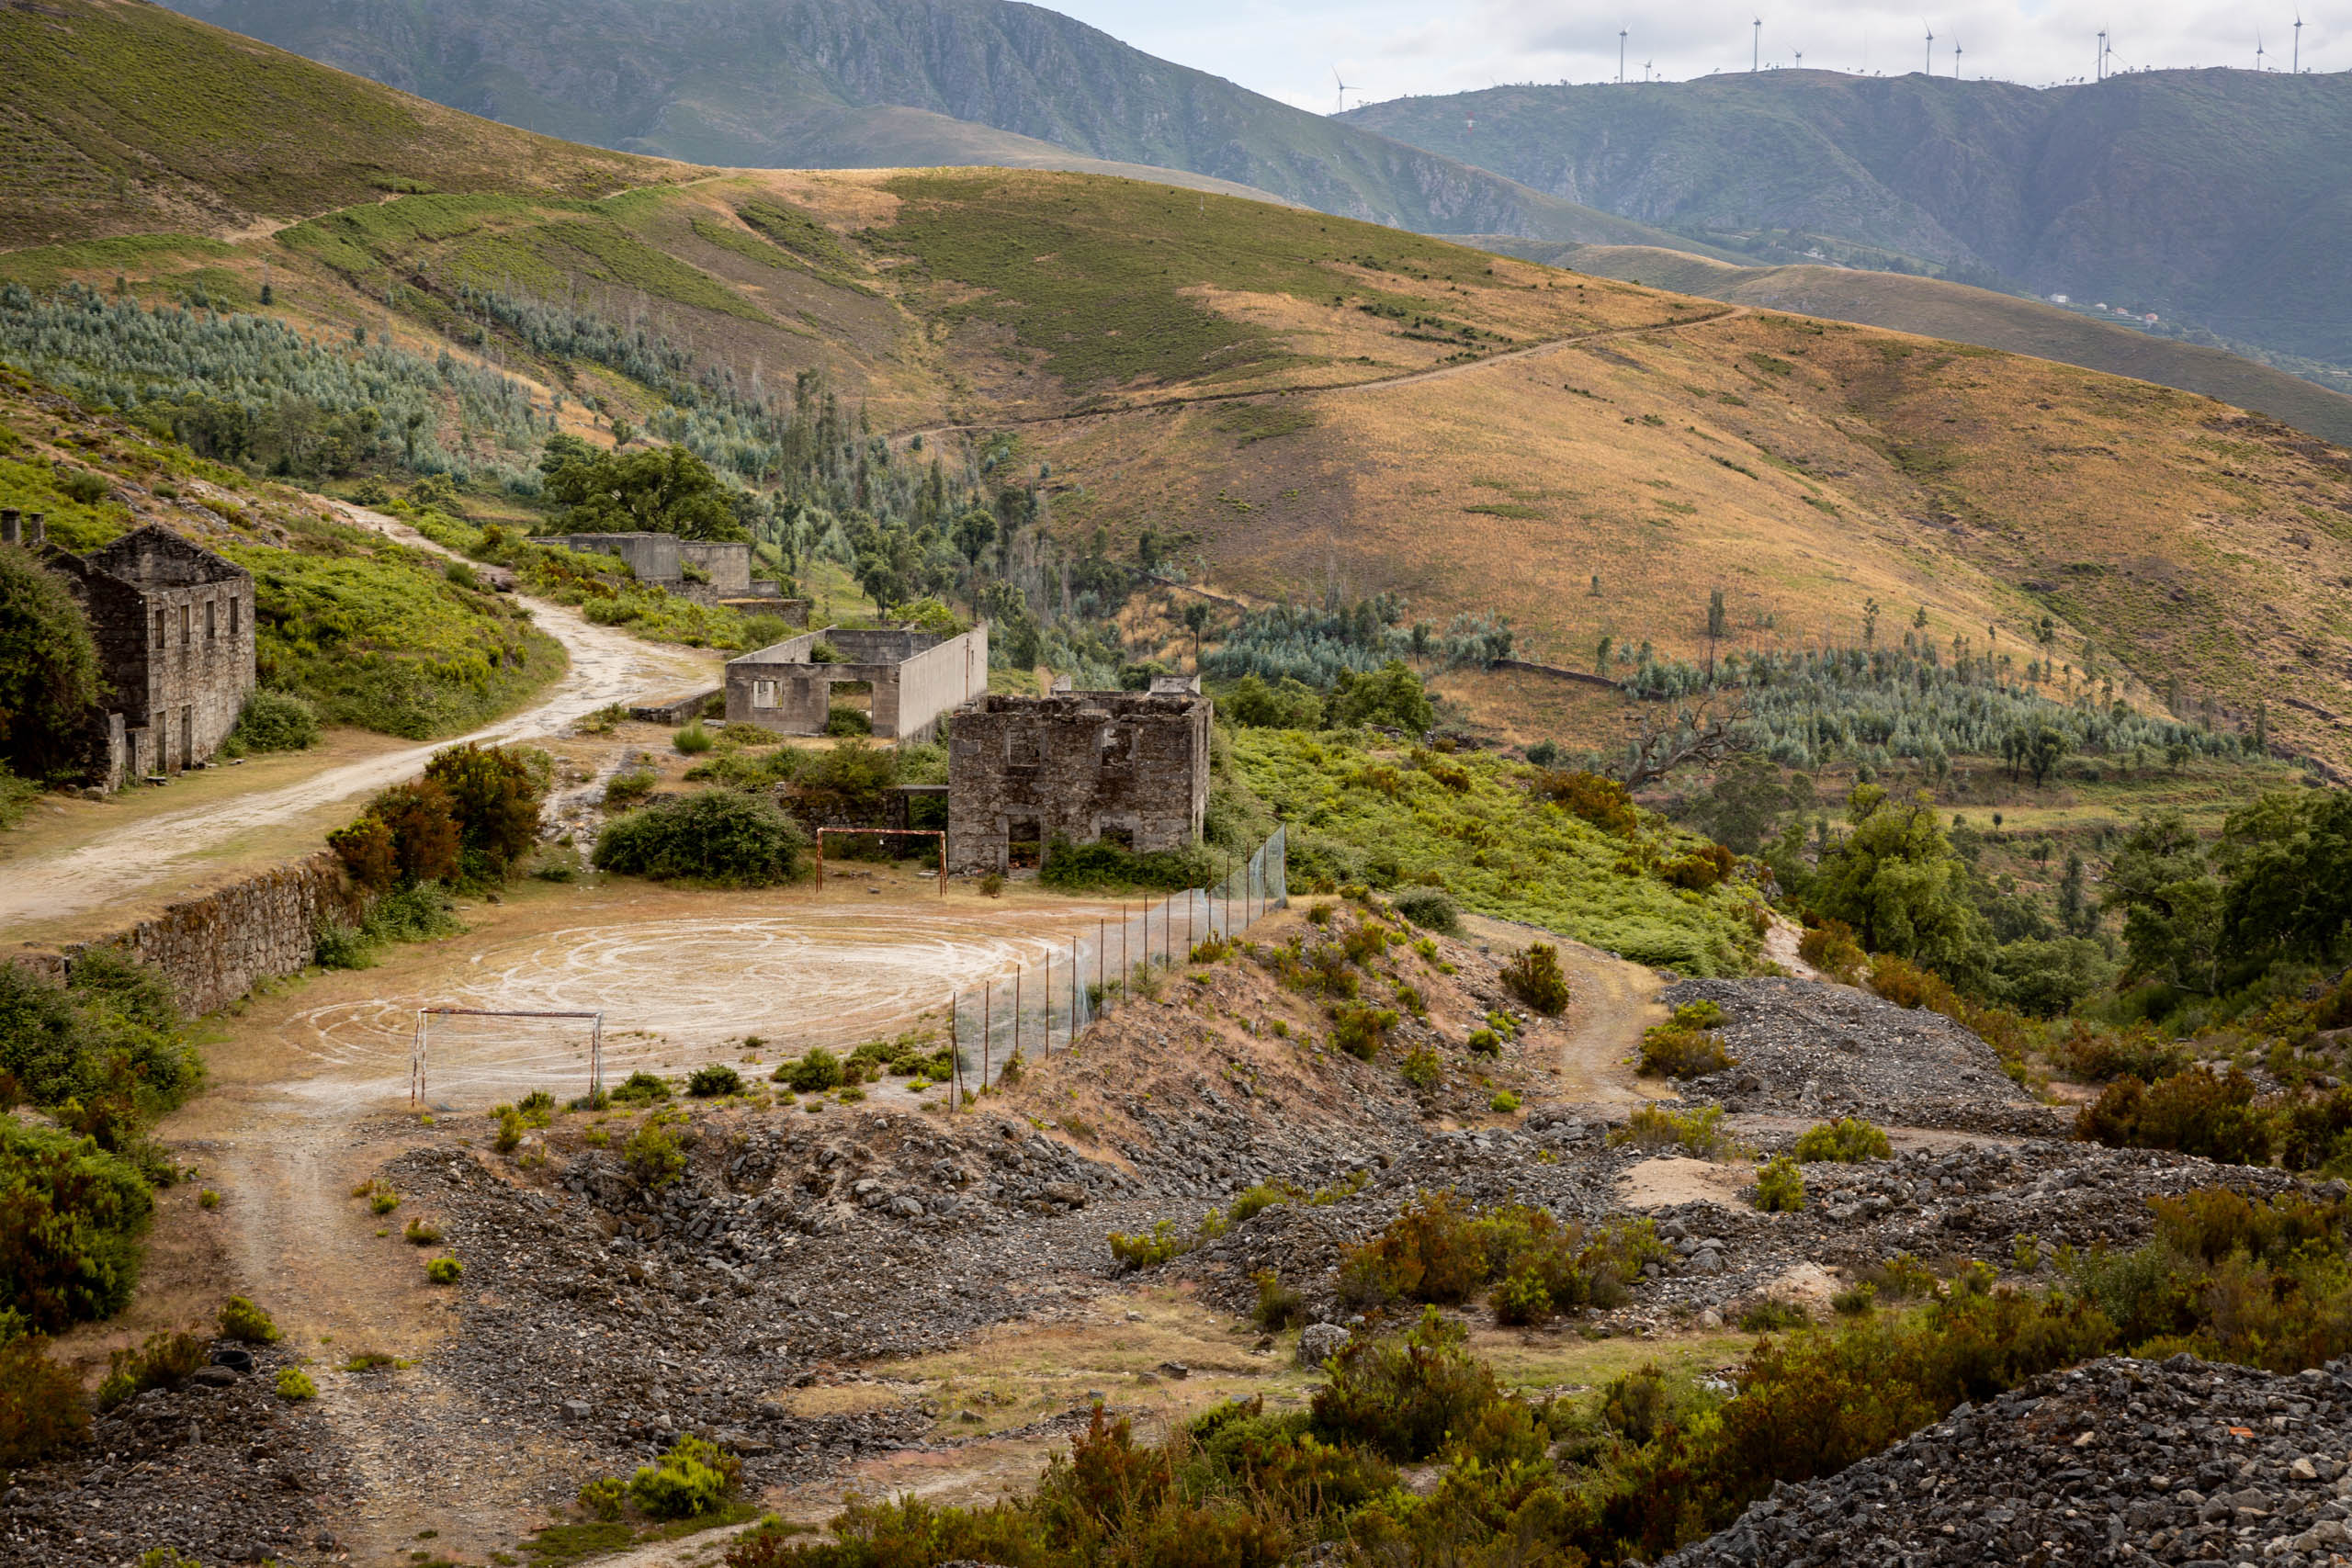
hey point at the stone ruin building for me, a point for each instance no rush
(663, 560)
(174, 626)
(1078, 767)
(915, 677)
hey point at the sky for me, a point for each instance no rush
(1388, 49)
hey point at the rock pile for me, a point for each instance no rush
(220, 1469)
(1808, 1049)
(2119, 1461)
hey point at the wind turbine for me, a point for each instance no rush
(1955, 60)
(1344, 90)
(1799, 60)
(2299, 44)
(2099, 72)
(2257, 50)
(1646, 69)
(1931, 46)
(1755, 47)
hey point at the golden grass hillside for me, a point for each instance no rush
(1328, 402)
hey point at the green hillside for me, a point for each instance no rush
(122, 117)
(1959, 313)
(820, 84)
(2221, 197)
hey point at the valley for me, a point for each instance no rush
(1533, 897)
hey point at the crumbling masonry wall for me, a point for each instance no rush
(1079, 767)
(916, 676)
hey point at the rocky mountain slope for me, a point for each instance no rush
(2212, 194)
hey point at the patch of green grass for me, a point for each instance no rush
(555, 1546)
(1509, 509)
(45, 266)
(1501, 851)
(1090, 275)
(1254, 422)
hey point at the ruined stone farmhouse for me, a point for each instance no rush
(915, 676)
(709, 571)
(1078, 767)
(173, 624)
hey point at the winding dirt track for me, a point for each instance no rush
(606, 666)
(1338, 388)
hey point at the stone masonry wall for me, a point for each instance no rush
(214, 949)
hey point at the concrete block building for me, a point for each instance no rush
(1129, 767)
(915, 677)
(173, 624)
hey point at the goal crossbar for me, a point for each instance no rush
(423, 1039)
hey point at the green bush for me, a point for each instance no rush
(49, 671)
(1685, 1046)
(1149, 1249)
(1699, 1134)
(1405, 1395)
(240, 1319)
(109, 1042)
(495, 793)
(1780, 1186)
(443, 1271)
(273, 721)
(817, 1070)
(164, 1360)
(693, 1479)
(1432, 909)
(42, 1408)
(713, 1079)
(1437, 1250)
(1534, 978)
(2193, 1112)
(846, 720)
(642, 1088)
(1279, 1306)
(720, 837)
(1850, 1140)
(654, 1155)
(601, 1498)
(294, 1383)
(1108, 867)
(71, 1216)
(1421, 1068)
(694, 739)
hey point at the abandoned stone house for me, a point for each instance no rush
(709, 572)
(1078, 767)
(174, 626)
(913, 677)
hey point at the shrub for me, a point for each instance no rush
(409, 833)
(240, 1319)
(1362, 1031)
(719, 836)
(1111, 867)
(273, 721)
(1279, 1306)
(628, 788)
(1484, 1042)
(41, 1405)
(992, 885)
(1846, 1141)
(1503, 1103)
(48, 669)
(2193, 1112)
(1830, 947)
(422, 1233)
(103, 1051)
(654, 1155)
(713, 1079)
(642, 1088)
(443, 1271)
(294, 1383)
(1437, 1250)
(1432, 909)
(1403, 1395)
(1772, 1316)
(1780, 1186)
(70, 1220)
(208, 1199)
(341, 946)
(694, 739)
(817, 1071)
(1149, 1249)
(2099, 1055)
(1685, 1046)
(1699, 1132)
(494, 792)
(1534, 978)
(601, 1498)
(1421, 1068)
(382, 1199)
(163, 1361)
(845, 719)
(694, 1477)
(1603, 802)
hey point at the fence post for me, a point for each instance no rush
(987, 1020)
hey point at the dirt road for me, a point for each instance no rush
(606, 666)
(1611, 1000)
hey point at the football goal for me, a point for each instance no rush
(494, 1054)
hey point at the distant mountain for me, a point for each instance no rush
(816, 83)
(2220, 196)
(1956, 312)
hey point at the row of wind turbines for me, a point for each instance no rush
(2104, 67)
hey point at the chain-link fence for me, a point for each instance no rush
(1036, 1010)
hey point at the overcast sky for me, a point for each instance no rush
(1388, 49)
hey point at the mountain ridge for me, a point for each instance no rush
(770, 85)
(2214, 195)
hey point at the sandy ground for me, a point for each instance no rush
(136, 856)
